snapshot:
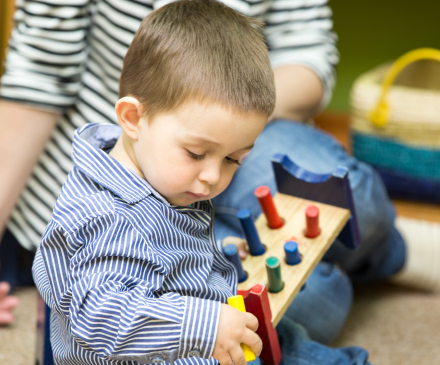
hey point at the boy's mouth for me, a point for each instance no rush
(194, 195)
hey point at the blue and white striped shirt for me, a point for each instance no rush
(127, 275)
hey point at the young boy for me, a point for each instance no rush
(128, 263)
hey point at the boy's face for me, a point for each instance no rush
(191, 154)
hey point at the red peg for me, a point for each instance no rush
(267, 205)
(312, 222)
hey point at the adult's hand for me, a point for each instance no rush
(240, 243)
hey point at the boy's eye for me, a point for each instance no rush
(231, 160)
(195, 156)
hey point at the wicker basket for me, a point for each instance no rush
(396, 123)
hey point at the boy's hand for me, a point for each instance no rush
(234, 328)
(239, 242)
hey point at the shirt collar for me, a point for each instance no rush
(89, 142)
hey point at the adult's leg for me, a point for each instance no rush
(382, 251)
(323, 306)
(317, 151)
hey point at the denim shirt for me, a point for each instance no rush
(128, 276)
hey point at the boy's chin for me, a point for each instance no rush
(186, 200)
(182, 201)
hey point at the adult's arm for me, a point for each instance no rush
(24, 133)
(43, 68)
(302, 48)
(299, 93)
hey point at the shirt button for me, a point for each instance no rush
(157, 359)
(194, 352)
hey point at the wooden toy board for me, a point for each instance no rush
(331, 221)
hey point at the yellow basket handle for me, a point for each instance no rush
(380, 114)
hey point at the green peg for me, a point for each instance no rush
(273, 269)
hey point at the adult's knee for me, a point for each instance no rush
(323, 306)
(374, 210)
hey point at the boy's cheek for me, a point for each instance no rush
(224, 183)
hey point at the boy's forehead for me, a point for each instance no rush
(207, 141)
(201, 140)
(213, 126)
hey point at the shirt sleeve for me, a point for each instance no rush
(104, 277)
(300, 32)
(47, 52)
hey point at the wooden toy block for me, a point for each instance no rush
(315, 210)
(255, 246)
(292, 254)
(292, 210)
(275, 277)
(257, 302)
(333, 189)
(237, 302)
(312, 222)
(268, 207)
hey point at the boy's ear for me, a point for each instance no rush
(129, 113)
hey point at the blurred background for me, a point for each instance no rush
(375, 31)
(6, 11)
(396, 325)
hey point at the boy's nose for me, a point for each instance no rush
(210, 174)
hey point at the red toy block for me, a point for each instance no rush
(257, 302)
(312, 222)
(267, 205)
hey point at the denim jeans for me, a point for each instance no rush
(323, 306)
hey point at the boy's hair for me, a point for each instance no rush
(202, 51)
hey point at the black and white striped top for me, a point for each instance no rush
(128, 276)
(67, 55)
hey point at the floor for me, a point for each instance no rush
(18, 342)
(396, 325)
